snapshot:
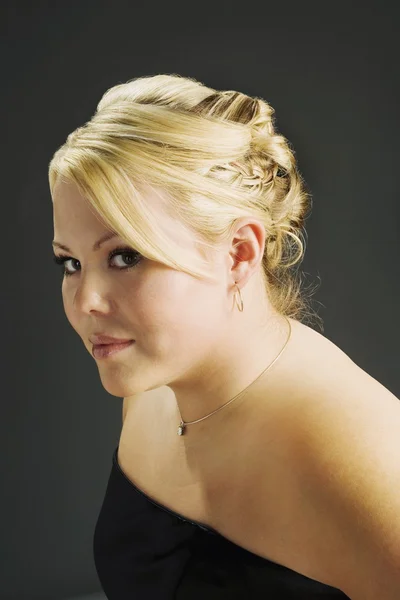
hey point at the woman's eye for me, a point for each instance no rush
(128, 260)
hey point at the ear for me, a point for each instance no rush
(246, 248)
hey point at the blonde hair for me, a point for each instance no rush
(211, 157)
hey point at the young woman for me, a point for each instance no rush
(256, 459)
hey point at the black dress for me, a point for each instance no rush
(145, 551)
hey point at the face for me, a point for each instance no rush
(188, 334)
(174, 318)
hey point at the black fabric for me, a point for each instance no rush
(145, 551)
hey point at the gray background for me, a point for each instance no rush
(331, 73)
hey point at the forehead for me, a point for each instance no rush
(68, 199)
(72, 211)
(74, 217)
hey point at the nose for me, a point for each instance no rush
(92, 294)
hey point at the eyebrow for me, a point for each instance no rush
(96, 246)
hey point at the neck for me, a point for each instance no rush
(231, 373)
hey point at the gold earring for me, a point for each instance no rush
(241, 300)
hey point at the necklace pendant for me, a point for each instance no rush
(181, 428)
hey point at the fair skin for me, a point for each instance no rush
(305, 470)
(189, 334)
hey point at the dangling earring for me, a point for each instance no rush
(241, 300)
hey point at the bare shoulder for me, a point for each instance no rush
(327, 368)
(343, 431)
(338, 398)
(336, 383)
(334, 393)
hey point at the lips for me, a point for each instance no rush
(105, 350)
(118, 343)
(102, 340)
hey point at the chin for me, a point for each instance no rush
(116, 387)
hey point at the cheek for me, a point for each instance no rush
(70, 313)
(66, 303)
(189, 315)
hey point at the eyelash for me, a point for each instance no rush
(63, 258)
